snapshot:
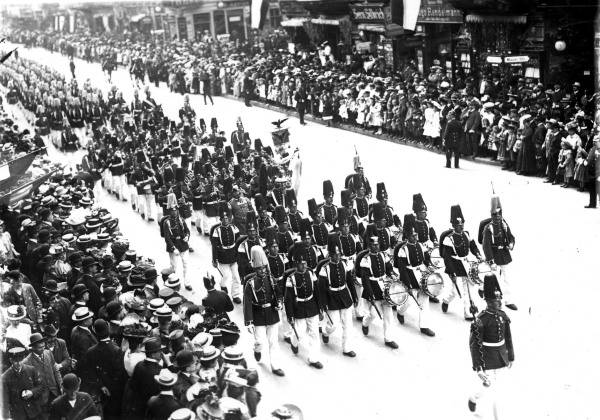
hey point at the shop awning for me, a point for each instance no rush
(475, 18)
(371, 27)
(293, 22)
(319, 21)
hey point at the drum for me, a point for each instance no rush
(478, 271)
(395, 294)
(436, 259)
(433, 284)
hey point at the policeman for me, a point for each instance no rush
(223, 238)
(374, 267)
(338, 296)
(498, 241)
(262, 302)
(457, 246)
(412, 259)
(491, 346)
(453, 138)
(303, 307)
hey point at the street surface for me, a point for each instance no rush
(554, 273)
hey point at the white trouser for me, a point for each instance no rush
(387, 314)
(465, 289)
(285, 325)
(146, 205)
(268, 334)
(197, 217)
(344, 317)
(231, 279)
(308, 335)
(423, 300)
(80, 133)
(360, 308)
(489, 398)
(209, 222)
(133, 196)
(174, 260)
(119, 185)
(177, 160)
(107, 178)
(504, 284)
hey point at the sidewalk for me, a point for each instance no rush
(355, 129)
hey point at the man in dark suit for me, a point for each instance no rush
(218, 300)
(141, 385)
(248, 88)
(186, 364)
(89, 266)
(43, 362)
(58, 348)
(301, 98)
(81, 338)
(473, 128)
(72, 405)
(453, 138)
(22, 389)
(161, 406)
(106, 371)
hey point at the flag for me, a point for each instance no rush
(258, 13)
(411, 13)
(7, 56)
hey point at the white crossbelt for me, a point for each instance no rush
(498, 344)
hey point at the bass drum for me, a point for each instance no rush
(396, 295)
(434, 284)
(436, 259)
(483, 269)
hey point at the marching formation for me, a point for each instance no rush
(308, 274)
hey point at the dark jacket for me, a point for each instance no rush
(454, 135)
(336, 287)
(105, 369)
(219, 301)
(496, 240)
(84, 407)
(48, 372)
(140, 388)
(81, 340)
(491, 327)
(61, 356)
(161, 406)
(261, 299)
(13, 384)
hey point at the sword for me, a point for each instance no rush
(294, 328)
(372, 302)
(328, 317)
(453, 278)
(409, 291)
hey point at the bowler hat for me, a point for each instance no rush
(152, 345)
(36, 338)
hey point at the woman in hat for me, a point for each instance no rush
(21, 293)
(18, 328)
(7, 248)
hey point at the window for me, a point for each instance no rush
(201, 24)
(182, 28)
(274, 17)
(235, 19)
(219, 18)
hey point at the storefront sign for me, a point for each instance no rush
(367, 13)
(492, 59)
(438, 11)
(516, 59)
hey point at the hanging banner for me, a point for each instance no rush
(411, 13)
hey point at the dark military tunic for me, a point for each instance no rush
(373, 268)
(330, 213)
(496, 241)
(295, 220)
(491, 340)
(302, 295)
(425, 231)
(411, 255)
(320, 234)
(336, 287)
(458, 244)
(223, 240)
(261, 299)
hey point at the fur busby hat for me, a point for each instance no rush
(180, 174)
(298, 252)
(224, 209)
(456, 215)
(418, 203)
(218, 143)
(221, 163)
(258, 145)
(290, 197)
(260, 202)
(237, 172)
(271, 236)
(279, 214)
(202, 124)
(251, 222)
(378, 211)
(381, 191)
(313, 208)
(227, 186)
(208, 169)
(343, 216)
(205, 154)
(408, 227)
(333, 244)
(305, 228)
(197, 167)
(491, 288)
(327, 188)
(268, 151)
(346, 197)
(213, 123)
(496, 207)
(257, 163)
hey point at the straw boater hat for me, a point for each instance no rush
(15, 312)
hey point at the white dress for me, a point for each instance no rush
(431, 127)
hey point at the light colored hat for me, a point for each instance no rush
(15, 312)
(165, 378)
(202, 340)
(81, 314)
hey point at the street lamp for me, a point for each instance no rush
(221, 4)
(560, 45)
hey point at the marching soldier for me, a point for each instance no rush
(240, 139)
(457, 246)
(244, 245)
(186, 110)
(224, 253)
(295, 216)
(278, 264)
(262, 302)
(303, 307)
(350, 246)
(285, 239)
(386, 238)
(498, 241)
(144, 177)
(426, 233)
(361, 204)
(329, 209)
(118, 181)
(312, 252)
(319, 230)
(491, 345)
(338, 296)
(374, 267)
(392, 221)
(264, 219)
(347, 202)
(176, 234)
(412, 260)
